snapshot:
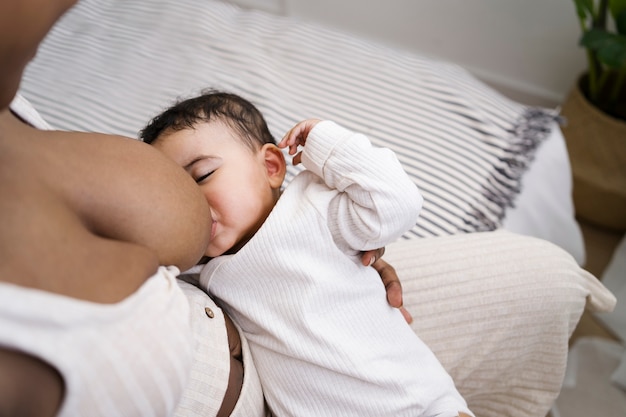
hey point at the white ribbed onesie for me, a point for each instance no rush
(322, 335)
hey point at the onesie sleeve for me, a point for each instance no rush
(377, 201)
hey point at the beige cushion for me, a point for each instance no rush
(498, 310)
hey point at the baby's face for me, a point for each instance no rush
(232, 177)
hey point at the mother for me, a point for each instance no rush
(91, 324)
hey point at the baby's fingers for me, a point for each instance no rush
(297, 159)
(290, 139)
(285, 140)
(297, 135)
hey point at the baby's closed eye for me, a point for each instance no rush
(202, 177)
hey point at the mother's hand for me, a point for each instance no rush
(390, 279)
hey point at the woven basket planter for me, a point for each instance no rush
(596, 144)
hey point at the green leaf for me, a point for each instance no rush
(595, 38)
(613, 55)
(584, 8)
(609, 47)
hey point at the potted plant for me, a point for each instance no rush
(606, 53)
(595, 113)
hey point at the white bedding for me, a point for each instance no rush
(544, 207)
(110, 65)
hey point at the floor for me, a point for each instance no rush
(595, 351)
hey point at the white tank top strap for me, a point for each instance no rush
(22, 108)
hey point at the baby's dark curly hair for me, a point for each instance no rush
(237, 112)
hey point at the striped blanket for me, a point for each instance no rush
(111, 65)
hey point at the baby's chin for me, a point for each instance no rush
(214, 252)
(217, 248)
(225, 244)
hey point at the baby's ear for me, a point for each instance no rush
(274, 164)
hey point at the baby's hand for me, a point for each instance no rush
(297, 137)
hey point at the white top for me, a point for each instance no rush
(106, 353)
(324, 339)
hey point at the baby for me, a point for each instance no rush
(324, 340)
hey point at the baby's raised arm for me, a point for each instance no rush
(377, 201)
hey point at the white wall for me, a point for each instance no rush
(527, 48)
